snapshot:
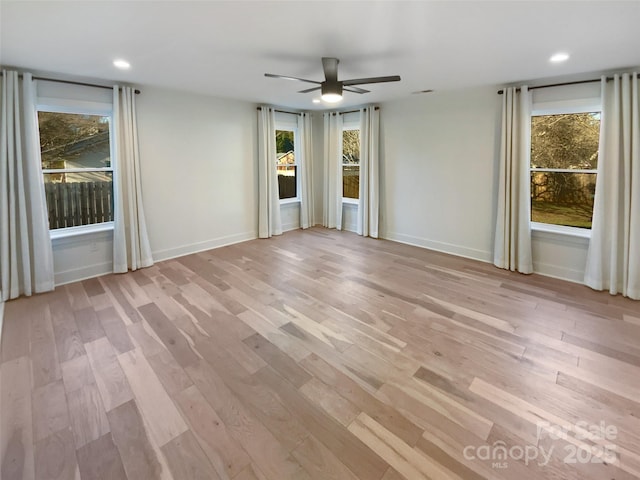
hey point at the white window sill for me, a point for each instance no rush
(350, 201)
(289, 201)
(69, 232)
(561, 235)
(561, 230)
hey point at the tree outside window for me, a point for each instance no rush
(564, 161)
(351, 164)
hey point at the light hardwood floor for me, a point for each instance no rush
(321, 355)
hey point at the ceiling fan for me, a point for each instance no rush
(332, 88)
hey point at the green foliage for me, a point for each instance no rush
(284, 141)
(351, 146)
(546, 212)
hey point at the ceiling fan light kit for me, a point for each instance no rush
(331, 88)
(331, 93)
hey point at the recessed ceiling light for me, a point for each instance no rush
(316, 100)
(423, 91)
(559, 57)
(121, 64)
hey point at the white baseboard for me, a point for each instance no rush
(350, 227)
(79, 274)
(561, 273)
(287, 227)
(1, 318)
(443, 247)
(170, 253)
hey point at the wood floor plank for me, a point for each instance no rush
(350, 451)
(88, 325)
(100, 460)
(187, 460)
(50, 410)
(161, 415)
(92, 287)
(363, 400)
(263, 448)
(406, 460)
(16, 431)
(15, 338)
(45, 366)
(320, 462)
(77, 373)
(110, 379)
(87, 415)
(225, 454)
(330, 401)
(171, 337)
(115, 329)
(130, 437)
(55, 457)
(278, 360)
(68, 340)
(171, 375)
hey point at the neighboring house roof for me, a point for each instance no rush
(286, 158)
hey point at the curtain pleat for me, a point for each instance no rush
(131, 248)
(26, 257)
(512, 248)
(269, 221)
(332, 216)
(368, 205)
(305, 152)
(613, 259)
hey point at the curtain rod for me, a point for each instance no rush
(71, 82)
(577, 82)
(353, 111)
(284, 111)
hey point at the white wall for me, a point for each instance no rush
(198, 162)
(438, 171)
(439, 164)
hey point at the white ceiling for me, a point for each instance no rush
(223, 48)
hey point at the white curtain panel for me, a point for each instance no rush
(512, 249)
(332, 217)
(368, 206)
(26, 257)
(131, 249)
(269, 221)
(613, 260)
(305, 151)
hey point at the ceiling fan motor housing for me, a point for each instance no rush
(331, 88)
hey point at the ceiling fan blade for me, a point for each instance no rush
(330, 67)
(355, 90)
(286, 77)
(310, 90)
(362, 81)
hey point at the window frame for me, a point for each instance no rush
(350, 126)
(291, 125)
(80, 108)
(562, 107)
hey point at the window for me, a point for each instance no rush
(564, 160)
(351, 163)
(77, 168)
(287, 165)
